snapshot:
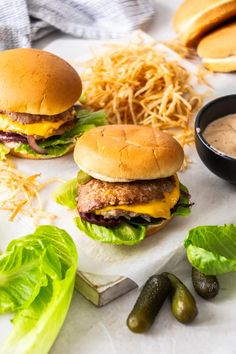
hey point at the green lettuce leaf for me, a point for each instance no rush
(37, 275)
(66, 194)
(212, 249)
(86, 121)
(182, 208)
(59, 145)
(54, 151)
(123, 234)
(4, 150)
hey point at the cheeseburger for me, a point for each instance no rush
(38, 117)
(127, 187)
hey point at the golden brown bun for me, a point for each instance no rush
(152, 229)
(194, 18)
(122, 153)
(218, 49)
(220, 65)
(37, 82)
(41, 157)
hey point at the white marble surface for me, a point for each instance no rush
(88, 330)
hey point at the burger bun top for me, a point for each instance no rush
(37, 82)
(124, 153)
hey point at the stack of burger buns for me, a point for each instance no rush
(210, 27)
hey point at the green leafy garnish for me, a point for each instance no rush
(182, 207)
(37, 274)
(212, 249)
(53, 151)
(123, 234)
(66, 193)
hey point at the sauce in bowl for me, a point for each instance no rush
(221, 135)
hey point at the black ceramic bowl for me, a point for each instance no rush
(220, 164)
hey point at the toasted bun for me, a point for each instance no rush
(194, 19)
(37, 82)
(152, 229)
(218, 49)
(122, 153)
(40, 157)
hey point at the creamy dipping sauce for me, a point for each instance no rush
(221, 134)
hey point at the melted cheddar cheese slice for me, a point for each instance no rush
(159, 208)
(44, 128)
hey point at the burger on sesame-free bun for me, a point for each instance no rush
(218, 49)
(38, 117)
(127, 186)
(194, 19)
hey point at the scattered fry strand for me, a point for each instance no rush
(181, 49)
(135, 84)
(21, 193)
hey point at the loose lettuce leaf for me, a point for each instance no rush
(212, 249)
(59, 145)
(66, 194)
(124, 234)
(49, 256)
(4, 150)
(22, 278)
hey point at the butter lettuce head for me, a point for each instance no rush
(212, 249)
(37, 274)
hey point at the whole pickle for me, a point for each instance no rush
(207, 286)
(183, 304)
(148, 304)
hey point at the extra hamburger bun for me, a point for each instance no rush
(37, 82)
(218, 49)
(122, 153)
(194, 19)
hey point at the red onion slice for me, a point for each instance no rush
(9, 137)
(34, 146)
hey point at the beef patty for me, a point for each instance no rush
(26, 118)
(96, 194)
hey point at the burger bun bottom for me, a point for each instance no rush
(152, 229)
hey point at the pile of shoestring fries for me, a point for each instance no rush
(137, 84)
